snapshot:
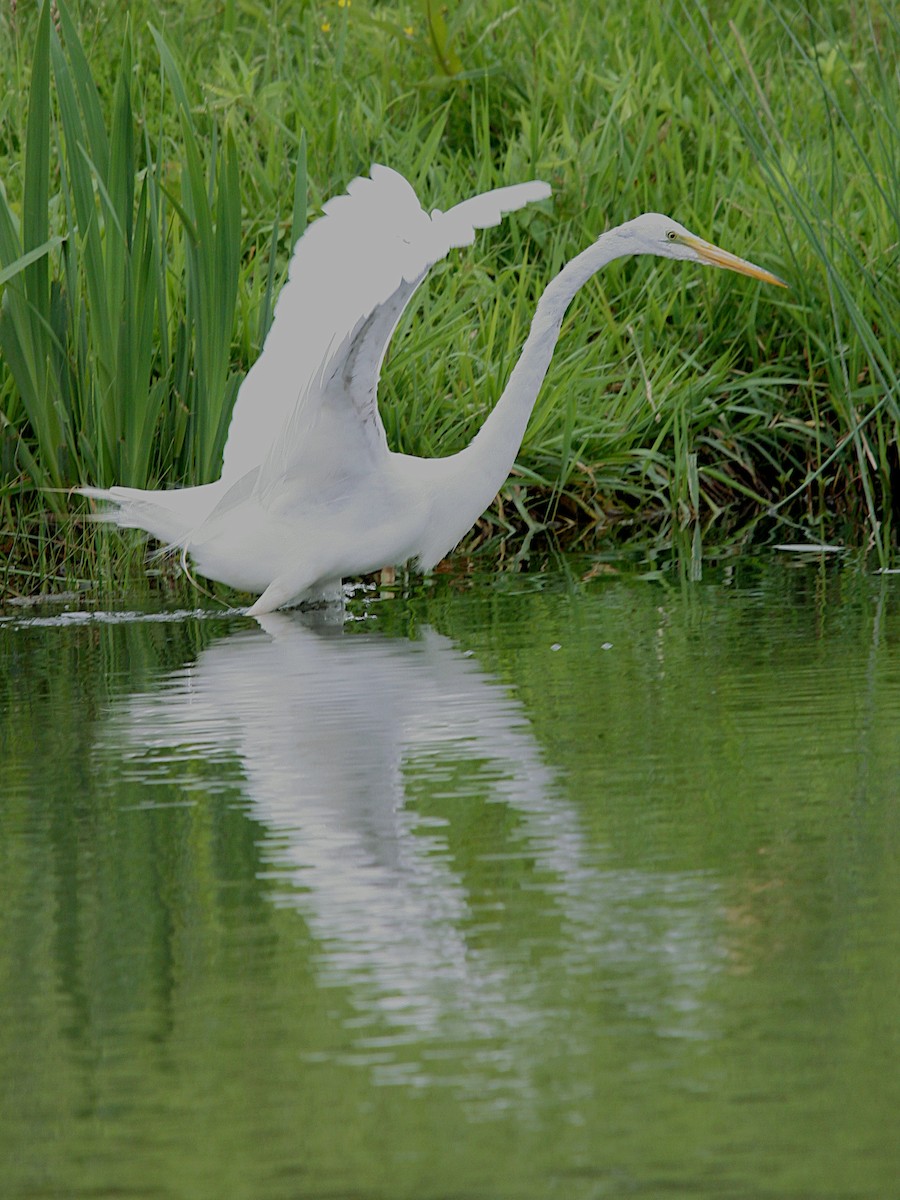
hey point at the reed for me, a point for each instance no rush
(158, 161)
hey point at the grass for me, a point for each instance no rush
(158, 161)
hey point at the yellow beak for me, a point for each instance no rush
(717, 257)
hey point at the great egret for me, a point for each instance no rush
(309, 490)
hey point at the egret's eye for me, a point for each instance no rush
(671, 235)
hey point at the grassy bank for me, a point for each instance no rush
(156, 167)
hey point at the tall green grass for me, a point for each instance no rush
(157, 163)
(112, 376)
(837, 197)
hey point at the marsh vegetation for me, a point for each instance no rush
(158, 161)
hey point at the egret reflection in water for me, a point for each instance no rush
(336, 735)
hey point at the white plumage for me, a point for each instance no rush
(309, 490)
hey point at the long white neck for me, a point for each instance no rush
(479, 471)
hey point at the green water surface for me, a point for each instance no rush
(538, 887)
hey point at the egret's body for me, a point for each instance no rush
(310, 491)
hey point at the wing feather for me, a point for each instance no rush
(311, 397)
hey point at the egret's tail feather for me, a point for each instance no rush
(169, 516)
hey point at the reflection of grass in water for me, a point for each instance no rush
(728, 765)
(174, 168)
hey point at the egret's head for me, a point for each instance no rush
(654, 233)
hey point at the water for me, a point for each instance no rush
(546, 887)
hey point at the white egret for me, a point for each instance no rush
(310, 491)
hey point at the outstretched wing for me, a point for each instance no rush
(311, 395)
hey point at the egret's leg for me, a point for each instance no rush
(280, 591)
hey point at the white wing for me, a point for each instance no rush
(310, 398)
